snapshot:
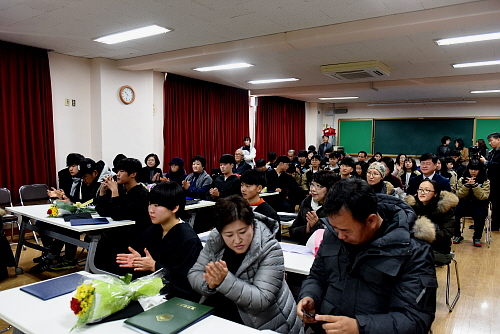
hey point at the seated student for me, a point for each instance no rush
(151, 173)
(271, 160)
(292, 157)
(408, 172)
(197, 184)
(252, 183)
(303, 165)
(347, 168)
(307, 175)
(326, 160)
(445, 169)
(64, 174)
(361, 169)
(260, 165)
(473, 190)
(121, 200)
(333, 162)
(240, 271)
(362, 156)
(444, 149)
(71, 186)
(311, 209)
(375, 178)
(389, 169)
(310, 154)
(311, 148)
(177, 173)
(169, 243)
(376, 157)
(437, 206)
(116, 160)
(240, 165)
(278, 180)
(226, 184)
(428, 163)
(458, 166)
(399, 164)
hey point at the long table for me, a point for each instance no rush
(31, 315)
(39, 212)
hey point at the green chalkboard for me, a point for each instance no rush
(485, 126)
(356, 135)
(419, 136)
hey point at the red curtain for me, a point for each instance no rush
(280, 126)
(203, 118)
(26, 123)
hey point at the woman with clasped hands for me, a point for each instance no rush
(241, 271)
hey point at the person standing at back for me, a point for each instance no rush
(492, 164)
(324, 146)
(444, 149)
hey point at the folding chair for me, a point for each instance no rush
(32, 194)
(487, 227)
(448, 284)
(6, 200)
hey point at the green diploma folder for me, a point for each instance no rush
(170, 317)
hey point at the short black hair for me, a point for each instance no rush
(199, 158)
(168, 195)
(230, 209)
(413, 164)
(366, 154)
(247, 138)
(328, 150)
(444, 139)
(326, 178)
(379, 153)
(260, 163)
(427, 156)
(117, 159)
(335, 154)
(354, 195)
(282, 158)
(157, 160)
(495, 135)
(227, 159)
(271, 156)
(253, 177)
(311, 148)
(316, 156)
(389, 163)
(74, 159)
(437, 189)
(130, 165)
(348, 162)
(302, 153)
(325, 136)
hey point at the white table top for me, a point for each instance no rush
(298, 263)
(271, 193)
(199, 205)
(54, 316)
(39, 212)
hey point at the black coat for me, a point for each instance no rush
(298, 229)
(443, 183)
(493, 166)
(231, 186)
(243, 166)
(390, 284)
(145, 176)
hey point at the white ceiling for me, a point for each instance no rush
(282, 38)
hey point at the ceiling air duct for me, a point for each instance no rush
(356, 71)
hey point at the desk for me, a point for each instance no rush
(30, 315)
(39, 212)
(268, 193)
(199, 205)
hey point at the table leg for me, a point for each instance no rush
(89, 264)
(20, 245)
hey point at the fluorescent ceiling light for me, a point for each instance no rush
(271, 80)
(485, 91)
(132, 34)
(418, 103)
(339, 98)
(222, 67)
(468, 39)
(479, 63)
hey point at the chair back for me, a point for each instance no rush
(5, 198)
(34, 194)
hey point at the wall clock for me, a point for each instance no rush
(127, 94)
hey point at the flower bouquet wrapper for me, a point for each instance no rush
(62, 208)
(102, 295)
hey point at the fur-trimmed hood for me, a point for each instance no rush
(2, 212)
(424, 229)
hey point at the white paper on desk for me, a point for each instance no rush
(287, 214)
(292, 248)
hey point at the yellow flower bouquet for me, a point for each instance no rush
(102, 295)
(62, 208)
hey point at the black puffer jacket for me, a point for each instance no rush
(390, 286)
(298, 229)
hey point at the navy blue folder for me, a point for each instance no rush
(55, 287)
(91, 221)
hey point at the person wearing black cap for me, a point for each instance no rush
(177, 173)
(70, 187)
(226, 184)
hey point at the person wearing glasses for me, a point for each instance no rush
(428, 165)
(375, 178)
(311, 209)
(241, 165)
(431, 203)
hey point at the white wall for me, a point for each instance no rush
(100, 126)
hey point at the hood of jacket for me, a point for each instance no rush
(264, 231)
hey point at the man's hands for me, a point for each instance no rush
(215, 273)
(56, 193)
(134, 260)
(331, 323)
(214, 192)
(109, 183)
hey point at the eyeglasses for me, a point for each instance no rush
(316, 186)
(373, 175)
(238, 154)
(425, 191)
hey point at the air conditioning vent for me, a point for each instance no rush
(357, 71)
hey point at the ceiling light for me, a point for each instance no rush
(271, 80)
(468, 39)
(222, 67)
(485, 91)
(339, 98)
(418, 103)
(479, 63)
(132, 34)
